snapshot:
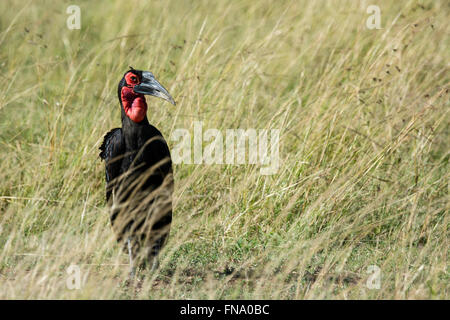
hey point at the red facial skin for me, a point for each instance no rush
(133, 103)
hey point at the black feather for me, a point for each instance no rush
(112, 150)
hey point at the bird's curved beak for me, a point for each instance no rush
(150, 86)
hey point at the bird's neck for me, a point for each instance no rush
(133, 132)
(134, 104)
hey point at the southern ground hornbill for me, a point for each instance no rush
(139, 180)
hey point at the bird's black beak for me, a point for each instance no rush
(149, 85)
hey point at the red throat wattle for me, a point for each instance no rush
(134, 104)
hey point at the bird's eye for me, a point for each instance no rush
(133, 78)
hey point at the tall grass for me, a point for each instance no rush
(364, 147)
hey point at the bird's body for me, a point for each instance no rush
(138, 172)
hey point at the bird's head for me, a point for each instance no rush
(132, 88)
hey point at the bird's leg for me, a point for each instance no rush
(155, 264)
(130, 253)
(154, 254)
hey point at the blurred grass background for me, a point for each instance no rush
(364, 147)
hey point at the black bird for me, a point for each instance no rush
(139, 179)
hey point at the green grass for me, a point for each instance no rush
(364, 147)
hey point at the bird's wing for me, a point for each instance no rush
(112, 151)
